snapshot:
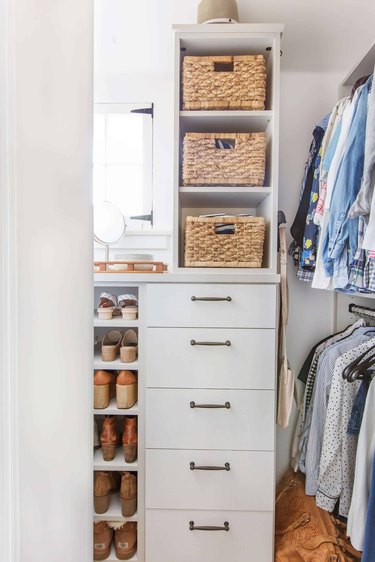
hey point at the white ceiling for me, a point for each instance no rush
(320, 35)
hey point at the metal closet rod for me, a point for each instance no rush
(362, 311)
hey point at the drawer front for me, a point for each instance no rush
(250, 306)
(173, 362)
(246, 483)
(248, 424)
(169, 538)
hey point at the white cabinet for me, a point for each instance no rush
(210, 419)
(212, 358)
(212, 305)
(169, 538)
(210, 430)
(205, 479)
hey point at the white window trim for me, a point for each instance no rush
(106, 108)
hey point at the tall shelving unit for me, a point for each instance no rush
(227, 39)
(118, 464)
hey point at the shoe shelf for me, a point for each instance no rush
(113, 365)
(118, 463)
(114, 512)
(112, 410)
(115, 322)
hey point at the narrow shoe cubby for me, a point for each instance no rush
(118, 424)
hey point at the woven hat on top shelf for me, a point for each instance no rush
(213, 11)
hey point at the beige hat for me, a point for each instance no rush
(218, 11)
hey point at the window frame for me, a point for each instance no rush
(136, 225)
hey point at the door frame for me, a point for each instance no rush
(9, 512)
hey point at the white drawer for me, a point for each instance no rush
(245, 484)
(169, 538)
(172, 361)
(248, 424)
(251, 306)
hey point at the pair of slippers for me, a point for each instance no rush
(115, 342)
(111, 305)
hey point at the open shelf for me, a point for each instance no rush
(118, 462)
(114, 511)
(113, 365)
(223, 196)
(239, 121)
(112, 410)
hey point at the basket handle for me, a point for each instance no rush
(224, 66)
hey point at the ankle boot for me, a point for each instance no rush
(104, 388)
(109, 437)
(128, 494)
(129, 439)
(125, 539)
(102, 540)
(102, 489)
(126, 389)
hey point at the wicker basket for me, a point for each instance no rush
(206, 164)
(205, 248)
(224, 82)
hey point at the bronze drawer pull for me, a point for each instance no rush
(192, 527)
(225, 467)
(211, 299)
(212, 343)
(194, 405)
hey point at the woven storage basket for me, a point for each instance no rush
(205, 164)
(205, 248)
(224, 82)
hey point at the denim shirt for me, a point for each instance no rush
(341, 238)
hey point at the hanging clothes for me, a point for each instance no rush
(320, 404)
(363, 471)
(368, 554)
(337, 203)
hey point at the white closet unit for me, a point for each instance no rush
(206, 411)
(207, 352)
(241, 39)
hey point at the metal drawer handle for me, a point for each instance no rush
(225, 467)
(192, 527)
(211, 299)
(212, 343)
(194, 405)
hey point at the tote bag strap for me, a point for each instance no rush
(287, 382)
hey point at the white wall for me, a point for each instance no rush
(52, 299)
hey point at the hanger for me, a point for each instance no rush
(358, 83)
(355, 364)
(361, 372)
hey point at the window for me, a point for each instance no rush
(122, 160)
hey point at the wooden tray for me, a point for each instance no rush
(131, 266)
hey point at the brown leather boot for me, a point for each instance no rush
(102, 540)
(128, 494)
(104, 388)
(102, 489)
(129, 439)
(126, 389)
(125, 539)
(109, 437)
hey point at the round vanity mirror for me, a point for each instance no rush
(109, 223)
